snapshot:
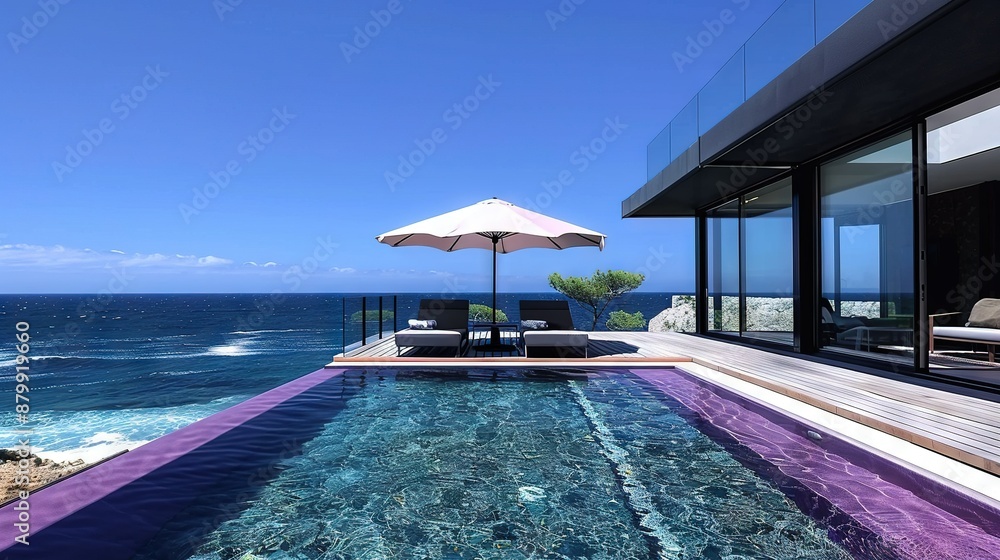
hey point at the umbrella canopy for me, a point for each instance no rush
(493, 222)
(496, 225)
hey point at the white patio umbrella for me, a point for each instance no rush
(493, 224)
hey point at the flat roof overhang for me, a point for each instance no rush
(874, 72)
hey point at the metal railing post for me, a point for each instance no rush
(364, 319)
(395, 325)
(380, 317)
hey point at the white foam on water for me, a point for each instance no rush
(229, 350)
(32, 358)
(530, 493)
(639, 497)
(81, 384)
(173, 373)
(92, 435)
(272, 331)
(92, 453)
(104, 437)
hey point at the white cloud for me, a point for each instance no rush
(22, 254)
(269, 264)
(213, 261)
(145, 260)
(345, 270)
(250, 263)
(58, 256)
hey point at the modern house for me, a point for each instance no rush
(845, 161)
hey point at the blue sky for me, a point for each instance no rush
(200, 146)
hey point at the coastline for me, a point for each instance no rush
(47, 467)
(42, 472)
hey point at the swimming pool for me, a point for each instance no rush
(492, 463)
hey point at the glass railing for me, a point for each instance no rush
(368, 319)
(794, 28)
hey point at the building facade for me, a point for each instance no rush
(852, 183)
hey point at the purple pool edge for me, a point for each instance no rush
(54, 503)
(911, 525)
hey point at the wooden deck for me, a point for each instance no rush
(962, 427)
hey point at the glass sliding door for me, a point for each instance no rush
(723, 248)
(867, 250)
(963, 233)
(749, 257)
(767, 263)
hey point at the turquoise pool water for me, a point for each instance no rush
(505, 465)
(514, 464)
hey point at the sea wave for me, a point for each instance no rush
(237, 349)
(261, 331)
(92, 435)
(13, 362)
(172, 373)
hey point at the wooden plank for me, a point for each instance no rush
(936, 430)
(943, 443)
(915, 395)
(885, 394)
(833, 380)
(889, 391)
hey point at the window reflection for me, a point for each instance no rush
(750, 265)
(867, 250)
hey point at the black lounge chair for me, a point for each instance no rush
(560, 335)
(452, 316)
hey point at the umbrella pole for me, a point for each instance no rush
(494, 280)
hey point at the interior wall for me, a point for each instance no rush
(963, 248)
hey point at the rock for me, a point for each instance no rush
(41, 472)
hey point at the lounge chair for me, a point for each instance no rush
(983, 327)
(861, 333)
(559, 335)
(452, 330)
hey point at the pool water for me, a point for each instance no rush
(499, 464)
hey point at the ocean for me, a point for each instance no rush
(111, 372)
